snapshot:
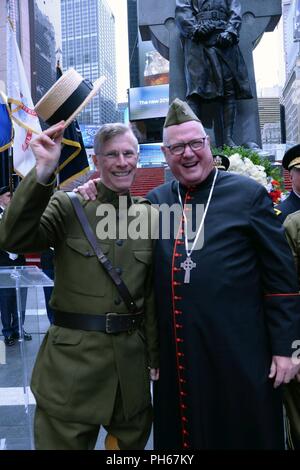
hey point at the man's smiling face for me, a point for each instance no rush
(117, 162)
(192, 166)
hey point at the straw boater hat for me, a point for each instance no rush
(178, 113)
(67, 98)
(291, 158)
(221, 161)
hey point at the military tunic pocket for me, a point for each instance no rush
(82, 270)
(145, 256)
(57, 365)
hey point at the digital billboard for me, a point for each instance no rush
(88, 134)
(148, 102)
(151, 155)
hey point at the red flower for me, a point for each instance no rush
(275, 195)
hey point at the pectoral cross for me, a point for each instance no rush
(187, 265)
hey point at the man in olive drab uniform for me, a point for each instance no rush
(291, 162)
(84, 376)
(291, 391)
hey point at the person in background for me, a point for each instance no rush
(221, 162)
(8, 300)
(291, 391)
(291, 162)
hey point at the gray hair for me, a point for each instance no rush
(108, 132)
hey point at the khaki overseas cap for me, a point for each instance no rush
(179, 112)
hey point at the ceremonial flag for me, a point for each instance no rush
(25, 121)
(297, 21)
(73, 160)
(6, 129)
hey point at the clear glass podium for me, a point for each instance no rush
(16, 361)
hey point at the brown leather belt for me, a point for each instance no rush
(110, 322)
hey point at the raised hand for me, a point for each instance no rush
(47, 148)
(88, 190)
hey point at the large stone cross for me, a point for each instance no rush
(259, 16)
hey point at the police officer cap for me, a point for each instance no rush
(291, 158)
(4, 189)
(221, 162)
(179, 112)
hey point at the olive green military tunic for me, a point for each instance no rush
(77, 373)
(291, 391)
(292, 227)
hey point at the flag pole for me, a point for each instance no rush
(11, 162)
(10, 171)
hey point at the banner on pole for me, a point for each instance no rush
(25, 121)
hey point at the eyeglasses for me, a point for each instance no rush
(126, 154)
(178, 149)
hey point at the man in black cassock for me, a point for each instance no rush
(214, 66)
(228, 312)
(291, 162)
(228, 315)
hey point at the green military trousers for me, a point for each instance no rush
(54, 434)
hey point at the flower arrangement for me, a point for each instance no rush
(276, 193)
(248, 162)
(244, 166)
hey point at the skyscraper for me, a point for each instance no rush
(43, 47)
(290, 93)
(88, 45)
(133, 43)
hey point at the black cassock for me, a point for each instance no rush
(218, 333)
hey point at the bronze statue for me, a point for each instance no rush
(214, 66)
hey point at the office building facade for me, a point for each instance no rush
(88, 45)
(43, 51)
(291, 90)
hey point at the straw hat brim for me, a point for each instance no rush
(96, 87)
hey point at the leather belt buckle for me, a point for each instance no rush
(109, 328)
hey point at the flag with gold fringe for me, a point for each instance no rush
(25, 121)
(73, 160)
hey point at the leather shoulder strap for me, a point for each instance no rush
(111, 271)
